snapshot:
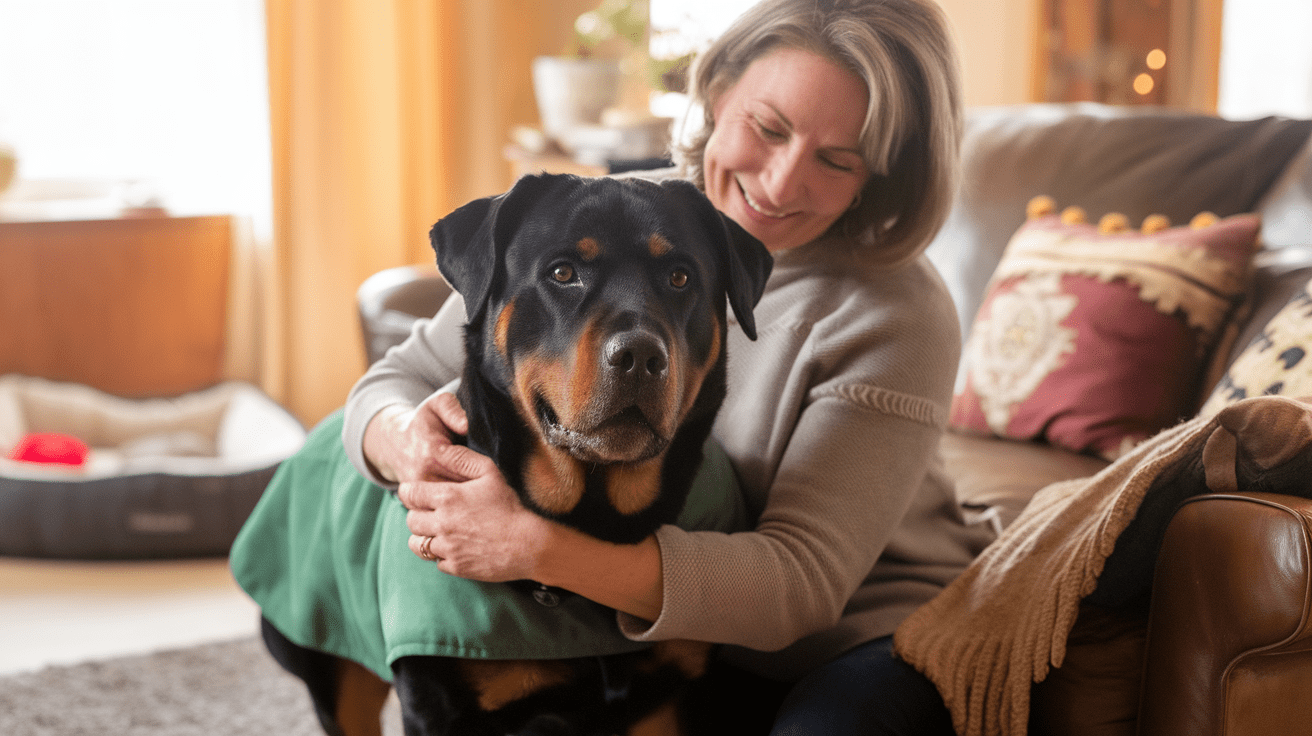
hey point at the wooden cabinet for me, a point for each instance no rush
(134, 307)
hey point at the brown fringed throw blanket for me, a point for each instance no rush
(1003, 624)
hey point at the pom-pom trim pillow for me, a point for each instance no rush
(1093, 338)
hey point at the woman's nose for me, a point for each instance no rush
(784, 176)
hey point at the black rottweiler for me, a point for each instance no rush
(595, 367)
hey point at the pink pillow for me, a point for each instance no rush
(1093, 339)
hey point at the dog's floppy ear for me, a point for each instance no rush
(470, 242)
(742, 258)
(748, 264)
(463, 243)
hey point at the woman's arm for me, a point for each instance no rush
(480, 530)
(833, 426)
(844, 488)
(402, 381)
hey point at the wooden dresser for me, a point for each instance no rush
(134, 307)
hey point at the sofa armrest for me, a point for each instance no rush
(391, 300)
(1230, 636)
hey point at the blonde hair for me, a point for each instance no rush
(911, 137)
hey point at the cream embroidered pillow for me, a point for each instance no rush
(1093, 338)
(1277, 361)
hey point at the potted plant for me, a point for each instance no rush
(574, 88)
(592, 100)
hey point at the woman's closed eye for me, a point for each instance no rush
(770, 132)
(836, 165)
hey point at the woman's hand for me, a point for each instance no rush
(415, 444)
(463, 513)
(478, 529)
(460, 508)
(474, 524)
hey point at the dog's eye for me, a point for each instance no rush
(678, 278)
(563, 273)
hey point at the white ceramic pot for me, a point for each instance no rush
(572, 92)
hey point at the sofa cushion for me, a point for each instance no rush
(1107, 159)
(1000, 475)
(1092, 340)
(1278, 358)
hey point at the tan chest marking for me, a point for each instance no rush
(633, 487)
(553, 479)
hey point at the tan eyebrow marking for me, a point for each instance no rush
(658, 246)
(589, 248)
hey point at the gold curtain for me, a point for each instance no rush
(385, 115)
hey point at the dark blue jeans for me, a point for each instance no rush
(864, 692)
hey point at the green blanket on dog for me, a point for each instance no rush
(325, 556)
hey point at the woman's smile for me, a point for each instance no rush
(751, 202)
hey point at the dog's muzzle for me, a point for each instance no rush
(631, 410)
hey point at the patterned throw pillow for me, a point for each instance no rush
(1093, 338)
(1277, 361)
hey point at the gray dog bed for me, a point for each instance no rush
(164, 477)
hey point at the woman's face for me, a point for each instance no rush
(784, 159)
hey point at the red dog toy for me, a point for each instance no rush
(51, 448)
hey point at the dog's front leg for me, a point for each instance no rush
(360, 698)
(429, 704)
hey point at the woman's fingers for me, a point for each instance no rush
(422, 546)
(453, 467)
(446, 407)
(475, 528)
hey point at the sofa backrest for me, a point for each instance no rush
(1137, 161)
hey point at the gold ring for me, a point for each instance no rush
(425, 552)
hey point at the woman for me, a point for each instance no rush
(831, 134)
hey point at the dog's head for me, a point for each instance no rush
(598, 307)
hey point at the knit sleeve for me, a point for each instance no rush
(429, 359)
(836, 423)
(848, 481)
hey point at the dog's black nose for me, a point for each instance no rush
(638, 354)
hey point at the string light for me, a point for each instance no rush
(1143, 84)
(1156, 59)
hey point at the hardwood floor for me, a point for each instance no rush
(58, 612)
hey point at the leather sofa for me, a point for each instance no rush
(1225, 645)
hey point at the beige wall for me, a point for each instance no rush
(997, 44)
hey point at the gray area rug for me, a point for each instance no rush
(231, 688)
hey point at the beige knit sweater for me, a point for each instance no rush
(832, 422)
